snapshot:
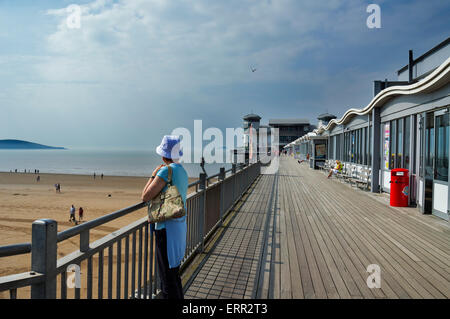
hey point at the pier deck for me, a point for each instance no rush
(297, 234)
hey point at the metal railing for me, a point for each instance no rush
(128, 252)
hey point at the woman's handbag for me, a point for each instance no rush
(166, 205)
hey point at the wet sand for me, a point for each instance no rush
(24, 200)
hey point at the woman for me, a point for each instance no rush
(170, 235)
(337, 169)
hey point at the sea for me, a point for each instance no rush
(88, 162)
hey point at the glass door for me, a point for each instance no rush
(441, 168)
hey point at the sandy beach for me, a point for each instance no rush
(24, 200)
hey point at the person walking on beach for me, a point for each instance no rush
(80, 214)
(171, 234)
(94, 175)
(72, 214)
(38, 178)
(101, 176)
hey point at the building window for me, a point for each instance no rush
(399, 162)
(386, 135)
(393, 146)
(407, 140)
(442, 141)
(361, 146)
(369, 156)
(429, 145)
(338, 147)
(397, 140)
(353, 142)
(344, 148)
(331, 147)
(358, 145)
(365, 145)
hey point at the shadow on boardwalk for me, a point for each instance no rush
(299, 235)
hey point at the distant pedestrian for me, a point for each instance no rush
(38, 178)
(94, 175)
(72, 214)
(102, 176)
(80, 213)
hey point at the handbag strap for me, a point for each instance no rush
(169, 175)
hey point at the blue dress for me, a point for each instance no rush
(175, 228)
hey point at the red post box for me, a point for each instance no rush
(399, 187)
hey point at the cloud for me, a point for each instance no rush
(186, 44)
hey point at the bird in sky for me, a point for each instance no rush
(253, 70)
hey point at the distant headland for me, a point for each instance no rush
(24, 145)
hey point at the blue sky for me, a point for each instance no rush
(136, 70)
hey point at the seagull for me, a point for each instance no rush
(253, 70)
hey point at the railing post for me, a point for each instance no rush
(43, 257)
(233, 172)
(84, 241)
(202, 187)
(222, 193)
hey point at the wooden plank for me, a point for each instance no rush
(292, 238)
(277, 260)
(285, 276)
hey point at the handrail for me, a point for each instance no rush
(15, 249)
(19, 280)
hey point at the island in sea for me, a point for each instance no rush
(25, 145)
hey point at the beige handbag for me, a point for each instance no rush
(166, 205)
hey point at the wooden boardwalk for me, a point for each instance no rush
(300, 235)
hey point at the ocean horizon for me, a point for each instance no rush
(88, 162)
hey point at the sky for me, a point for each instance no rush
(136, 70)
